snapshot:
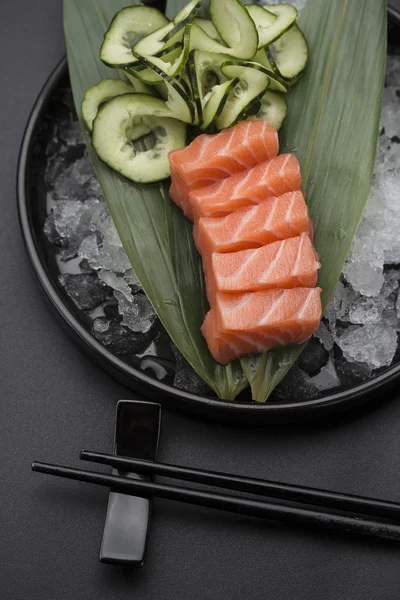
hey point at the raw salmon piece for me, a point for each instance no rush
(285, 264)
(210, 158)
(278, 176)
(253, 226)
(259, 321)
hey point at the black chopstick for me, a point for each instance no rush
(283, 491)
(296, 515)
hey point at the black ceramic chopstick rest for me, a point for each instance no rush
(137, 432)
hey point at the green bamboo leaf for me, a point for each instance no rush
(156, 236)
(332, 127)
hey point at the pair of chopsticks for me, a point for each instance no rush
(301, 506)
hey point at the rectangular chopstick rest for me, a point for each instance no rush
(137, 432)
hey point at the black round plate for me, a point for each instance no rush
(32, 211)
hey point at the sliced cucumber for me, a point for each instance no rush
(159, 40)
(184, 17)
(172, 64)
(277, 84)
(196, 86)
(187, 12)
(272, 108)
(264, 20)
(215, 101)
(235, 27)
(178, 100)
(286, 16)
(205, 73)
(289, 54)
(112, 137)
(154, 43)
(128, 26)
(252, 84)
(233, 68)
(99, 93)
(208, 27)
(137, 85)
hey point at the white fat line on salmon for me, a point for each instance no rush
(270, 216)
(302, 312)
(281, 297)
(238, 306)
(264, 277)
(239, 271)
(245, 219)
(290, 208)
(299, 254)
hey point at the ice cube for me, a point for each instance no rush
(116, 282)
(350, 373)
(117, 338)
(133, 281)
(109, 231)
(343, 298)
(104, 256)
(85, 289)
(51, 232)
(138, 314)
(77, 181)
(368, 310)
(73, 221)
(364, 266)
(374, 344)
(324, 336)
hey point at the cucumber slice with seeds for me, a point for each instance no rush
(235, 27)
(128, 26)
(154, 43)
(289, 54)
(102, 92)
(272, 108)
(205, 73)
(178, 100)
(253, 83)
(112, 137)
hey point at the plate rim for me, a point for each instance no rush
(169, 396)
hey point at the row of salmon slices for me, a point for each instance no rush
(253, 232)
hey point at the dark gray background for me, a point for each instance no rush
(54, 401)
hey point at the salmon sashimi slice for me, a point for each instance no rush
(285, 264)
(277, 218)
(274, 178)
(258, 321)
(210, 158)
(179, 193)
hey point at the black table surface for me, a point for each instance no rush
(54, 401)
